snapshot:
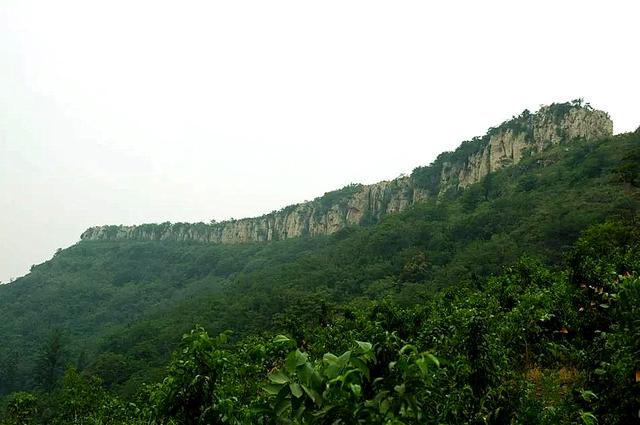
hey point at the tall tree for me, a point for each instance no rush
(49, 367)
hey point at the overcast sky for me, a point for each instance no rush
(124, 112)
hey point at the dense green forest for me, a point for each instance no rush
(482, 306)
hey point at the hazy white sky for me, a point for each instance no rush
(123, 112)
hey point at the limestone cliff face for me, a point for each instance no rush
(507, 144)
(352, 205)
(504, 145)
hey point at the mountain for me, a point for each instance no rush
(504, 145)
(116, 303)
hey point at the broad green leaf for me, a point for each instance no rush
(313, 395)
(332, 371)
(344, 359)
(356, 389)
(343, 378)
(422, 365)
(300, 411)
(296, 390)
(272, 389)
(408, 347)
(282, 406)
(309, 375)
(330, 358)
(364, 346)
(362, 367)
(279, 377)
(280, 339)
(433, 359)
(295, 359)
(384, 406)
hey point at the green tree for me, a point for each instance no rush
(49, 366)
(188, 394)
(22, 409)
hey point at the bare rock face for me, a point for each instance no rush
(507, 144)
(352, 205)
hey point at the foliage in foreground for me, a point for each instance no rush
(529, 346)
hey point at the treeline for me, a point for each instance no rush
(531, 345)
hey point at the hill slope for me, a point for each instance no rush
(121, 304)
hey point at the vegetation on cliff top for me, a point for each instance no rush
(428, 177)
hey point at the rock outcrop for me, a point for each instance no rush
(502, 146)
(509, 142)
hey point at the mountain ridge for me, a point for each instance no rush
(124, 303)
(358, 204)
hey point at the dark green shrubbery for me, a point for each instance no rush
(531, 345)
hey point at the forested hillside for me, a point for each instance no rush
(474, 306)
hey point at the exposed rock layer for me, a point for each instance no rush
(504, 145)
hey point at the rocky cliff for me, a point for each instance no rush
(356, 204)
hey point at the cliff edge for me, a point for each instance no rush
(357, 204)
